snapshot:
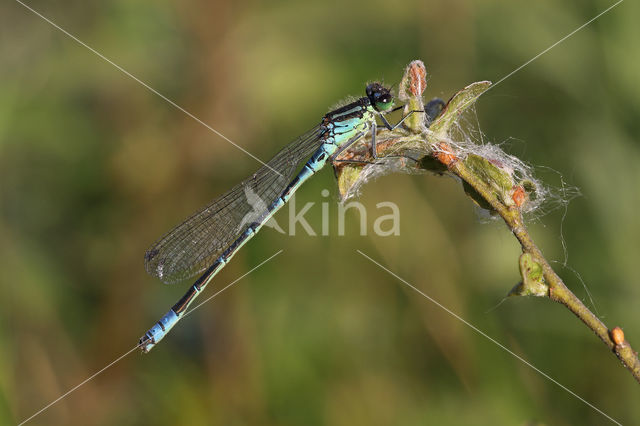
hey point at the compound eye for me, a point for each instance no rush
(384, 97)
(370, 90)
(383, 101)
(379, 96)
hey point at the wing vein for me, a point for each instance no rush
(192, 246)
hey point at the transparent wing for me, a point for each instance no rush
(192, 246)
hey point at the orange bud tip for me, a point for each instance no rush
(617, 335)
(519, 195)
(445, 154)
(417, 78)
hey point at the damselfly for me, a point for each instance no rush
(207, 240)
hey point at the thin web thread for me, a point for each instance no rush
(491, 339)
(229, 285)
(553, 45)
(584, 285)
(127, 73)
(94, 375)
(88, 379)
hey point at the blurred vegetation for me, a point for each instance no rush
(94, 168)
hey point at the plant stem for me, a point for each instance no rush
(494, 189)
(558, 291)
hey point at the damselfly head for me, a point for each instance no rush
(380, 97)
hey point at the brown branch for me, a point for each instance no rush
(490, 185)
(558, 291)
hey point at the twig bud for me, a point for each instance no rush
(519, 195)
(617, 335)
(444, 154)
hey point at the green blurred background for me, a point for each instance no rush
(94, 168)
